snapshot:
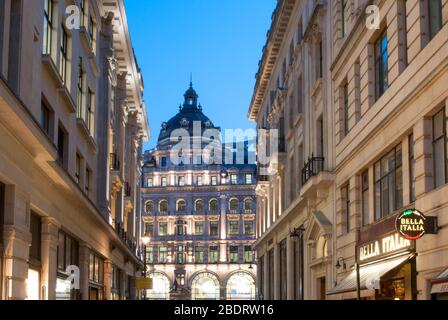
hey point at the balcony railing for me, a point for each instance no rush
(312, 168)
(114, 162)
(129, 241)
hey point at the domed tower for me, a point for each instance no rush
(190, 113)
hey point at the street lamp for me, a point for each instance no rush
(145, 241)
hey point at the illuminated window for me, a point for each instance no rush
(205, 286)
(233, 254)
(160, 287)
(213, 254)
(163, 229)
(214, 180)
(234, 179)
(163, 206)
(181, 181)
(198, 206)
(233, 205)
(248, 254)
(164, 181)
(163, 254)
(249, 228)
(199, 228)
(241, 286)
(213, 228)
(199, 254)
(213, 206)
(149, 207)
(149, 255)
(248, 178)
(149, 183)
(199, 181)
(181, 206)
(233, 228)
(248, 205)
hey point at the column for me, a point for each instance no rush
(423, 157)
(417, 20)
(84, 259)
(107, 279)
(123, 276)
(405, 168)
(266, 285)
(367, 78)
(354, 110)
(276, 272)
(50, 231)
(290, 267)
(223, 230)
(17, 241)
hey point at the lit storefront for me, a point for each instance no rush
(386, 266)
(68, 255)
(439, 288)
(34, 269)
(96, 277)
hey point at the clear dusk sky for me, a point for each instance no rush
(218, 41)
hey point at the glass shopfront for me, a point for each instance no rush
(387, 265)
(68, 261)
(96, 277)
(35, 264)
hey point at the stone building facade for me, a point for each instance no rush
(72, 122)
(199, 214)
(361, 115)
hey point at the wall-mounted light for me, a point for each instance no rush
(224, 174)
(297, 232)
(338, 263)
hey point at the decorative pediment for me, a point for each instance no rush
(318, 226)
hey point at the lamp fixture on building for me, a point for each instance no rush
(297, 232)
(224, 174)
(338, 264)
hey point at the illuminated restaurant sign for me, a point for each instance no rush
(411, 224)
(384, 246)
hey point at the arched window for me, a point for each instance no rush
(163, 206)
(160, 287)
(241, 286)
(149, 207)
(181, 205)
(198, 206)
(205, 286)
(213, 206)
(233, 205)
(248, 205)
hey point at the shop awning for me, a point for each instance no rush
(369, 275)
(440, 283)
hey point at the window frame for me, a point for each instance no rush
(379, 181)
(48, 27)
(381, 66)
(436, 140)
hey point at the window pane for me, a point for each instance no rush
(439, 163)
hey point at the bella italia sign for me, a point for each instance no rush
(384, 246)
(412, 224)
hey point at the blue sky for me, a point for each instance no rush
(218, 41)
